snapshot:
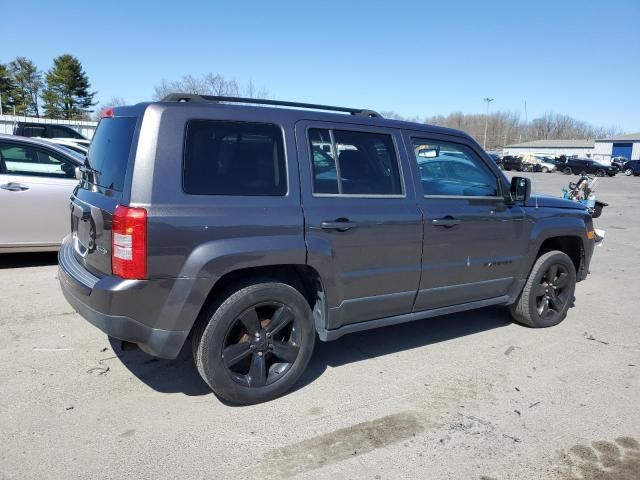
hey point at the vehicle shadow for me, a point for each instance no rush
(180, 375)
(22, 260)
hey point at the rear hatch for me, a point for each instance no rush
(102, 187)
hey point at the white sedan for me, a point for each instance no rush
(36, 181)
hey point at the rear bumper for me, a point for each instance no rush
(104, 302)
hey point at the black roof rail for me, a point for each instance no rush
(194, 97)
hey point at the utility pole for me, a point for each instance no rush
(486, 122)
(0, 101)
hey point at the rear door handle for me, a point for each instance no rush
(446, 222)
(340, 224)
(14, 187)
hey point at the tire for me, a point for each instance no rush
(601, 173)
(567, 171)
(271, 350)
(628, 172)
(545, 170)
(530, 308)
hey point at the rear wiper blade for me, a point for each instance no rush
(87, 168)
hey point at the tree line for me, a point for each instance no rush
(63, 91)
(507, 128)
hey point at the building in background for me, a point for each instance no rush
(581, 148)
(627, 146)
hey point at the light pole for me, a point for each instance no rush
(486, 122)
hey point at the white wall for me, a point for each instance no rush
(602, 151)
(582, 152)
(7, 122)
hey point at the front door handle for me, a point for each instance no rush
(446, 222)
(340, 224)
(14, 187)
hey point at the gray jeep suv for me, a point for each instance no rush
(255, 228)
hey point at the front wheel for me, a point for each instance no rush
(567, 171)
(545, 170)
(548, 293)
(628, 172)
(601, 173)
(256, 344)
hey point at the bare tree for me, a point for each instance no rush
(505, 128)
(209, 84)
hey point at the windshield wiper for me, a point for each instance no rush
(88, 168)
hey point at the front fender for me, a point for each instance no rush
(562, 224)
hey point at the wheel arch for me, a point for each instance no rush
(304, 278)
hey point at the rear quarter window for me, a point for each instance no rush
(234, 158)
(109, 151)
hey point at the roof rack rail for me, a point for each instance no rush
(194, 97)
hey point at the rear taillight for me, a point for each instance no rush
(129, 242)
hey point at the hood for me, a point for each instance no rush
(549, 201)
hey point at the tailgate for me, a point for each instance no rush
(100, 191)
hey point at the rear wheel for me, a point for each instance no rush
(628, 172)
(545, 170)
(548, 293)
(601, 173)
(567, 171)
(256, 344)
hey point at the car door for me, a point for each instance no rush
(473, 242)
(362, 227)
(35, 186)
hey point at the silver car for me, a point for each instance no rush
(36, 181)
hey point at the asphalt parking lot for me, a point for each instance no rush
(466, 396)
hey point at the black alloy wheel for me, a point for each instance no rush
(254, 343)
(552, 293)
(261, 345)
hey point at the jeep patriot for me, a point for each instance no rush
(253, 229)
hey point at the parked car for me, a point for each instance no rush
(235, 224)
(584, 165)
(78, 148)
(619, 162)
(512, 162)
(36, 181)
(46, 130)
(547, 164)
(632, 167)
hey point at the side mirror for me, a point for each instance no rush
(78, 173)
(520, 190)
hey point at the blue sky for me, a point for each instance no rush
(417, 58)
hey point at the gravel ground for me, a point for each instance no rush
(466, 396)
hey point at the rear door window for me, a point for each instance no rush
(32, 131)
(347, 162)
(109, 152)
(234, 158)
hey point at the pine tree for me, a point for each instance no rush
(6, 90)
(67, 92)
(28, 83)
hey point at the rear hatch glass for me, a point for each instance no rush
(100, 191)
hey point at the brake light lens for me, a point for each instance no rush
(129, 242)
(107, 113)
